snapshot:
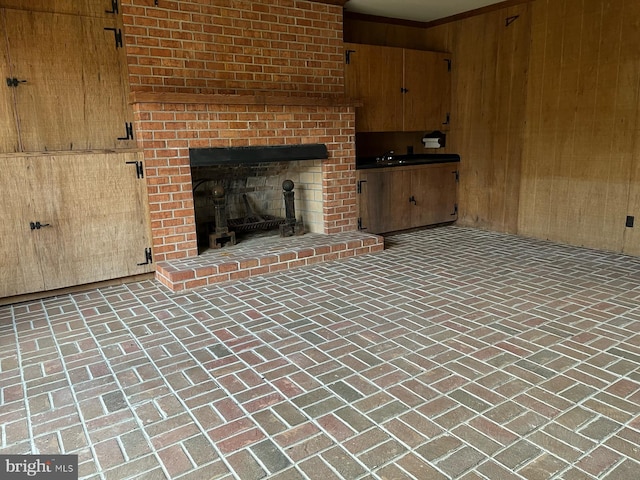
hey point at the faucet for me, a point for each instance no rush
(387, 156)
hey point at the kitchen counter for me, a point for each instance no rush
(406, 160)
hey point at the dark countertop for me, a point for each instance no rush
(406, 160)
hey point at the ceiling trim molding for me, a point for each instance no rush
(388, 20)
(477, 11)
(441, 21)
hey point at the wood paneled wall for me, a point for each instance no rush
(489, 85)
(545, 118)
(581, 149)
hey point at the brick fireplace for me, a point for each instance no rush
(170, 182)
(231, 74)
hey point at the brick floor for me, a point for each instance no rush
(453, 354)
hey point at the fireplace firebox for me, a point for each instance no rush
(245, 187)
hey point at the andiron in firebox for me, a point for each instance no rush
(291, 226)
(221, 236)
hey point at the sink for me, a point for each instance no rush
(399, 160)
(402, 160)
(391, 162)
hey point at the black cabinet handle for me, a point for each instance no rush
(412, 199)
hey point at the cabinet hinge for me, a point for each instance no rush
(117, 34)
(347, 56)
(128, 127)
(114, 7)
(448, 60)
(148, 257)
(455, 210)
(139, 168)
(359, 186)
(360, 227)
(457, 174)
(447, 120)
(510, 20)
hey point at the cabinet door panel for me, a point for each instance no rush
(384, 201)
(374, 75)
(435, 190)
(74, 95)
(98, 216)
(19, 262)
(428, 99)
(94, 216)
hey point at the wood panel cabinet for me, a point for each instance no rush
(69, 87)
(399, 198)
(71, 220)
(401, 89)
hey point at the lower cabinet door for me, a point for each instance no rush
(74, 219)
(384, 200)
(434, 188)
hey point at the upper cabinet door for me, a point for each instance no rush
(427, 101)
(401, 90)
(373, 74)
(71, 94)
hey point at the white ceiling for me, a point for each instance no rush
(416, 10)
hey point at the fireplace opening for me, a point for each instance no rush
(249, 180)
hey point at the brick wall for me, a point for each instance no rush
(207, 51)
(234, 46)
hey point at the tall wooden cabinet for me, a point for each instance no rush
(74, 207)
(401, 89)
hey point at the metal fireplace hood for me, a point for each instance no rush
(204, 157)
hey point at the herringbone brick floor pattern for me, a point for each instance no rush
(453, 354)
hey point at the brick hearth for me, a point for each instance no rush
(258, 256)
